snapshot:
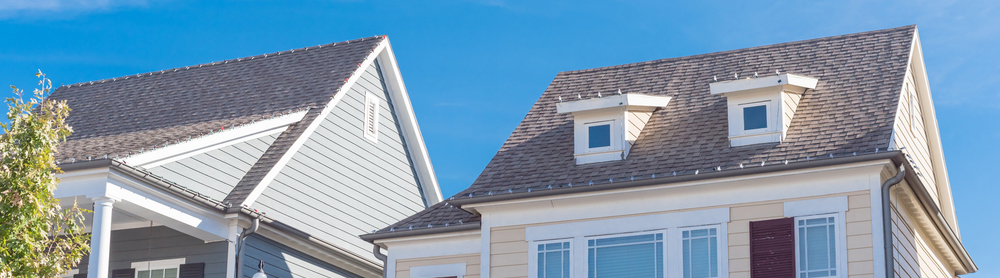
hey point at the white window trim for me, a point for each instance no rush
(371, 119)
(670, 224)
(841, 243)
(440, 270)
(816, 206)
(611, 136)
(770, 118)
(159, 264)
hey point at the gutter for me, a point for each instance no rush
(419, 232)
(678, 179)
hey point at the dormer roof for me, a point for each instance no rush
(851, 109)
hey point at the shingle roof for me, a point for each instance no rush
(124, 115)
(851, 110)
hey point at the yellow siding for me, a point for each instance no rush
(790, 102)
(913, 137)
(509, 250)
(471, 261)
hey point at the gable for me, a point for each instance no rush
(339, 183)
(216, 172)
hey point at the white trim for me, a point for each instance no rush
(573, 253)
(840, 245)
(611, 136)
(769, 118)
(785, 79)
(613, 101)
(294, 148)
(628, 224)
(484, 260)
(408, 122)
(816, 206)
(226, 137)
(440, 270)
(158, 264)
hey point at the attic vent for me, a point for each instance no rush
(371, 116)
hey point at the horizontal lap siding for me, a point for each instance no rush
(282, 261)
(509, 250)
(915, 139)
(471, 261)
(339, 184)
(134, 245)
(216, 172)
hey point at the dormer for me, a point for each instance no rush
(761, 108)
(606, 127)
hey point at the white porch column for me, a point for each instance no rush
(100, 238)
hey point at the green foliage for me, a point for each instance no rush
(38, 238)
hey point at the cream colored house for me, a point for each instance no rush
(817, 158)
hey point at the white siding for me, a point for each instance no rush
(216, 172)
(339, 184)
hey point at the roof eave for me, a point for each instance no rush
(419, 232)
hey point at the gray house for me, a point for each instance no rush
(281, 158)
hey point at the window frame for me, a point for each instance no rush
(669, 224)
(611, 136)
(769, 118)
(158, 264)
(840, 243)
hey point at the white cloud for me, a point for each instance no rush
(17, 8)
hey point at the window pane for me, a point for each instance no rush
(817, 247)
(553, 262)
(143, 274)
(156, 273)
(628, 256)
(170, 273)
(754, 117)
(599, 136)
(701, 255)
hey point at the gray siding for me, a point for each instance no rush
(134, 245)
(216, 172)
(339, 184)
(284, 262)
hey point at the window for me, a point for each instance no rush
(553, 260)
(158, 269)
(816, 246)
(626, 256)
(701, 253)
(754, 117)
(371, 116)
(599, 135)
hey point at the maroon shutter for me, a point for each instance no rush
(81, 275)
(772, 248)
(195, 270)
(123, 273)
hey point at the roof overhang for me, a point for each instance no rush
(749, 84)
(629, 101)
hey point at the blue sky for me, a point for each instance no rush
(474, 68)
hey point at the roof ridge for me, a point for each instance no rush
(80, 84)
(911, 26)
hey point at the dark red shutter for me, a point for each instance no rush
(195, 270)
(772, 248)
(123, 273)
(81, 275)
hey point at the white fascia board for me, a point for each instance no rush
(224, 138)
(408, 122)
(816, 206)
(731, 86)
(447, 244)
(630, 101)
(294, 148)
(137, 198)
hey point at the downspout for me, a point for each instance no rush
(377, 250)
(242, 241)
(887, 220)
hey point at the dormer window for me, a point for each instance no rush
(605, 128)
(761, 109)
